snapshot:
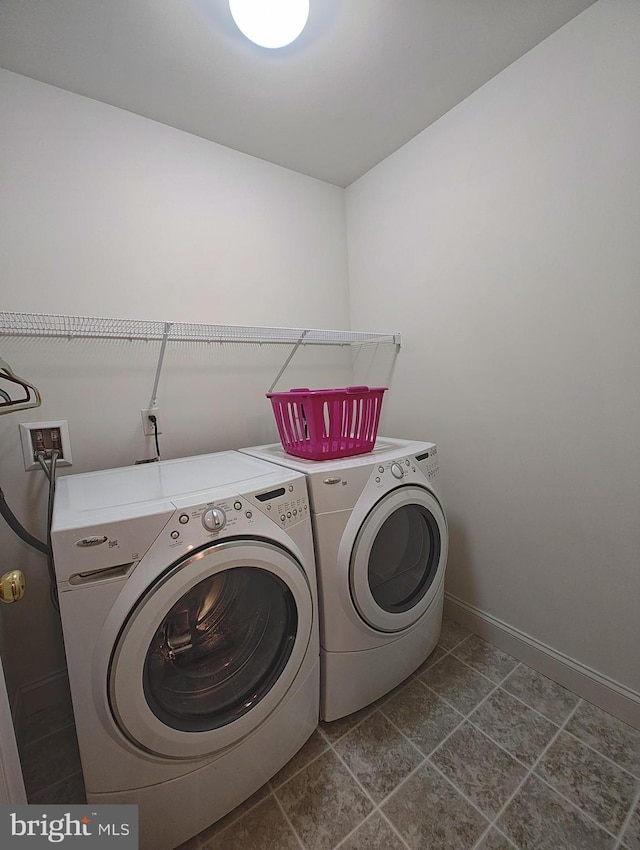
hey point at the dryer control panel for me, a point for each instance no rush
(404, 469)
(428, 462)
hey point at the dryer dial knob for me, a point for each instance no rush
(214, 519)
(396, 470)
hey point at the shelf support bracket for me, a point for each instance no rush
(163, 347)
(288, 360)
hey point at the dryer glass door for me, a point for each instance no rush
(399, 558)
(211, 648)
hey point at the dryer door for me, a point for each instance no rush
(398, 559)
(211, 649)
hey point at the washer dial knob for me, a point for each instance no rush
(396, 470)
(214, 519)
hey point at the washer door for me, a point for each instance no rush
(211, 649)
(398, 559)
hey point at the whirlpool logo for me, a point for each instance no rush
(88, 827)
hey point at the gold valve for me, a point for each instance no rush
(12, 586)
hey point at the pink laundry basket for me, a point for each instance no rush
(323, 424)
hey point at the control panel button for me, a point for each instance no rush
(248, 514)
(175, 535)
(381, 469)
(396, 470)
(237, 506)
(183, 519)
(214, 519)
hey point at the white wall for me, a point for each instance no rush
(104, 213)
(503, 241)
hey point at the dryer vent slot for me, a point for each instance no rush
(101, 575)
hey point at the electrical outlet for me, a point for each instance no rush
(44, 437)
(147, 424)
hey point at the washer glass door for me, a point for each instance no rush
(211, 648)
(398, 559)
(219, 649)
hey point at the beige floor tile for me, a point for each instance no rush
(539, 819)
(428, 812)
(323, 802)
(483, 771)
(378, 755)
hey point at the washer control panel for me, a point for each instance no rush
(214, 519)
(242, 513)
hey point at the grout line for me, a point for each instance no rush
(465, 664)
(486, 833)
(368, 817)
(288, 820)
(603, 756)
(496, 686)
(331, 741)
(364, 790)
(354, 830)
(470, 633)
(499, 745)
(57, 782)
(535, 710)
(297, 772)
(466, 717)
(394, 829)
(485, 817)
(463, 717)
(575, 805)
(627, 821)
(377, 806)
(529, 773)
(426, 760)
(49, 734)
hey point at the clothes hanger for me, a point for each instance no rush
(31, 398)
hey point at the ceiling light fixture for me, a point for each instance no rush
(270, 23)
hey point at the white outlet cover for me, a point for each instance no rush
(26, 428)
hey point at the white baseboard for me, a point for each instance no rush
(598, 689)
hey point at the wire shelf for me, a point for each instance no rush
(55, 325)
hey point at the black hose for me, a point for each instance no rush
(53, 587)
(154, 421)
(18, 529)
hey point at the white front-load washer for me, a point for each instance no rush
(188, 600)
(381, 542)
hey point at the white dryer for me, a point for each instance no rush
(189, 610)
(381, 542)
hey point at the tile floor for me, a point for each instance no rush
(474, 752)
